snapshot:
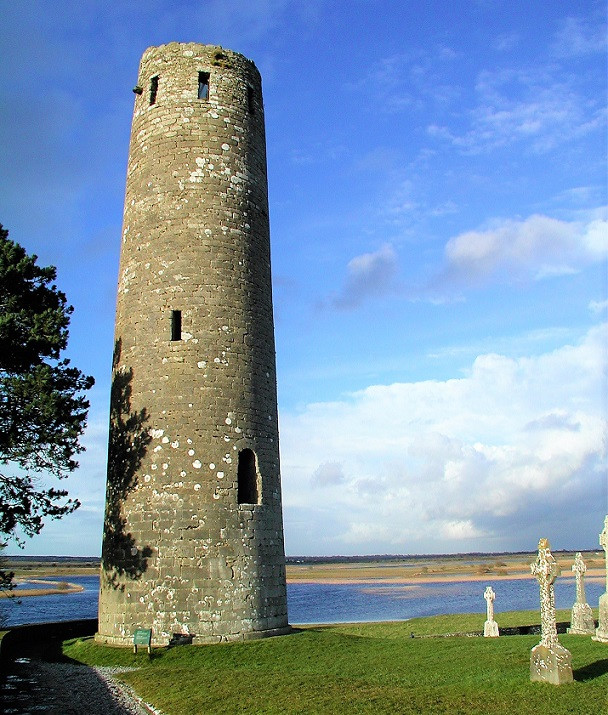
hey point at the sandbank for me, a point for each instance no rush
(416, 580)
(54, 587)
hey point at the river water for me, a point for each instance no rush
(333, 603)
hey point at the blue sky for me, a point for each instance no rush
(437, 181)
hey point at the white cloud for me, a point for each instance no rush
(402, 201)
(327, 474)
(598, 307)
(580, 36)
(410, 81)
(538, 106)
(506, 42)
(368, 275)
(459, 530)
(475, 463)
(534, 248)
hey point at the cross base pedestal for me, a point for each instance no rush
(551, 664)
(490, 629)
(601, 634)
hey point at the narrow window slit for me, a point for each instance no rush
(247, 478)
(153, 89)
(203, 85)
(250, 100)
(176, 325)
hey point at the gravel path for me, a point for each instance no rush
(31, 686)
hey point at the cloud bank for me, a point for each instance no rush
(493, 460)
(504, 251)
(534, 248)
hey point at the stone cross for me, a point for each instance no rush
(546, 570)
(581, 621)
(490, 627)
(579, 568)
(601, 634)
(549, 661)
(490, 596)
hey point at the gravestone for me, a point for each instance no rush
(550, 662)
(581, 622)
(490, 627)
(601, 633)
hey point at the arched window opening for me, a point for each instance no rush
(247, 477)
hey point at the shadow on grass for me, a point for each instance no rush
(43, 641)
(591, 671)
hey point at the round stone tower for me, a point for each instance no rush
(193, 532)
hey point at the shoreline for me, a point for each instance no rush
(55, 587)
(406, 581)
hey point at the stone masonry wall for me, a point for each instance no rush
(180, 553)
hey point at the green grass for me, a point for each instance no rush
(364, 668)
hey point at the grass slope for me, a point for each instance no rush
(364, 668)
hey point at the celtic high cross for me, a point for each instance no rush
(550, 662)
(546, 570)
(579, 568)
(490, 627)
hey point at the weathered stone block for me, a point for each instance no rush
(551, 664)
(490, 629)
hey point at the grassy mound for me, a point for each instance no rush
(363, 668)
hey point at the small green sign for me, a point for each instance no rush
(142, 636)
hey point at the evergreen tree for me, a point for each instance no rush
(42, 409)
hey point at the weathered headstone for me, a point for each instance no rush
(581, 622)
(550, 662)
(601, 633)
(490, 627)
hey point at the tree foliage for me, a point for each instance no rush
(42, 407)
